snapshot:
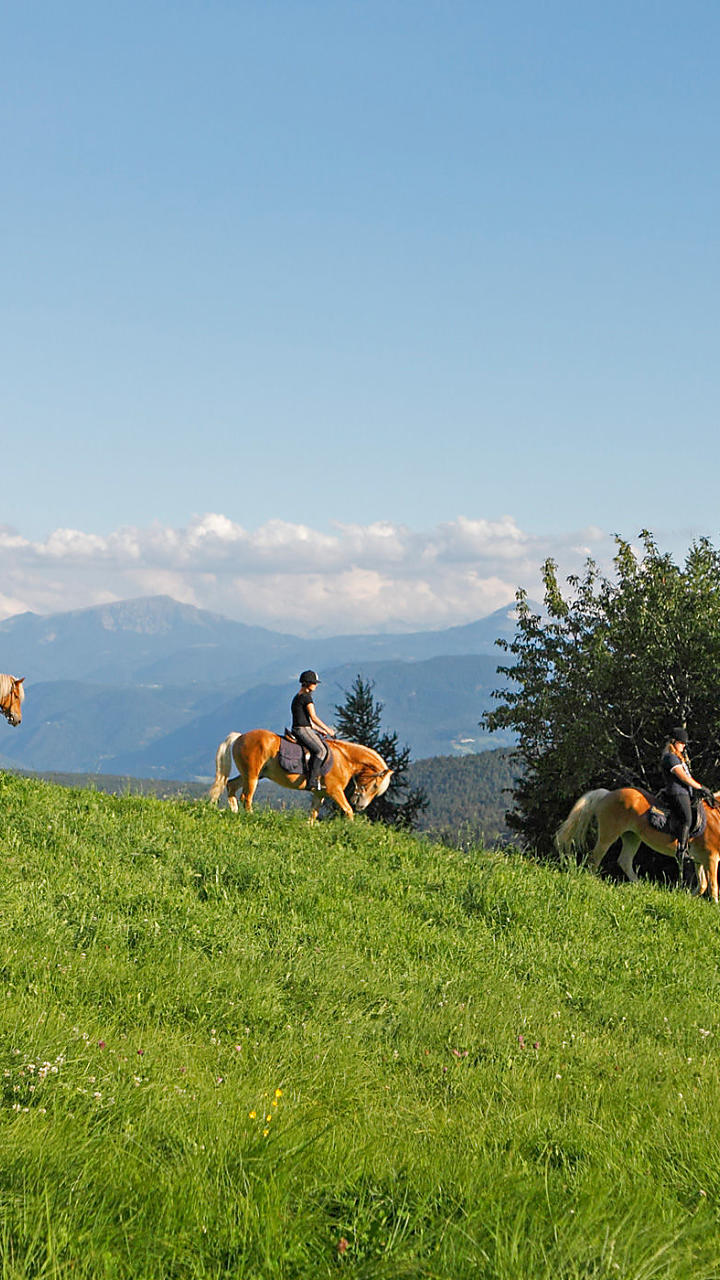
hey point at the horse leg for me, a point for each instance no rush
(630, 846)
(248, 791)
(337, 793)
(317, 799)
(713, 859)
(246, 794)
(610, 828)
(598, 852)
(232, 786)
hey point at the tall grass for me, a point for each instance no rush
(239, 1047)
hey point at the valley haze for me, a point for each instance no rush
(148, 687)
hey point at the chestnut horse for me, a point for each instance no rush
(624, 814)
(12, 695)
(255, 754)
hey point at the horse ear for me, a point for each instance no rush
(21, 680)
(388, 773)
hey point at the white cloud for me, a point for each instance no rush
(380, 576)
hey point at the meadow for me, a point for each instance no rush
(239, 1047)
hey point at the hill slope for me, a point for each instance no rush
(244, 1048)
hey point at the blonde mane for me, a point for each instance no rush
(6, 684)
(374, 762)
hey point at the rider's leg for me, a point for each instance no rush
(309, 739)
(680, 801)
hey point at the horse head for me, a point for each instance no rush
(11, 705)
(370, 784)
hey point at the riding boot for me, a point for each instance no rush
(682, 854)
(313, 782)
(688, 874)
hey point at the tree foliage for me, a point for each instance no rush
(359, 719)
(468, 796)
(597, 683)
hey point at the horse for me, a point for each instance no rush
(624, 814)
(255, 754)
(12, 696)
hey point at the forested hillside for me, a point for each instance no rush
(468, 796)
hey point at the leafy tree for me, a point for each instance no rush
(597, 683)
(359, 719)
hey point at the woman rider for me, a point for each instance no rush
(305, 721)
(679, 782)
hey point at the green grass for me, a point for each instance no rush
(474, 1066)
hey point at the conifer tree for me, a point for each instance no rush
(359, 719)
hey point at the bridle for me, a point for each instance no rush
(6, 706)
(357, 789)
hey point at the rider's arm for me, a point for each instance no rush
(315, 719)
(685, 776)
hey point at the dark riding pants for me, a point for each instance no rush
(313, 743)
(682, 810)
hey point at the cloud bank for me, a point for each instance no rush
(375, 577)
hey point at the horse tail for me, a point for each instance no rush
(223, 766)
(574, 830)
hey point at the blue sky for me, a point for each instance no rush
(347, 264)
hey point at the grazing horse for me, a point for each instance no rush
(255, 754)
(12, 696)
(624, 814)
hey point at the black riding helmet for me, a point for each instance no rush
(309, 677)
(679, 735)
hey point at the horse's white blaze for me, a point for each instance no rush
(384, 784)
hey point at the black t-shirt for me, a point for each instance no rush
(300, 702)
(668, 762)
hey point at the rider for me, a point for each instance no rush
(305, 721)
(679, 782)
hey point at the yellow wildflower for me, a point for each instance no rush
(251, 1115)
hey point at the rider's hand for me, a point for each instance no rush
(707, 794)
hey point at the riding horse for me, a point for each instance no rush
(255, 754)
(624, 814)
(12, 696)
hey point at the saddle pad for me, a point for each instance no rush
(290, 758)
(660, 819)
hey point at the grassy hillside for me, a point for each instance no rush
(468, 795)
(240, 1048)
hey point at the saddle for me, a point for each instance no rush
(662, 818)
(295, 759)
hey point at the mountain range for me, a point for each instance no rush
(148, 687)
